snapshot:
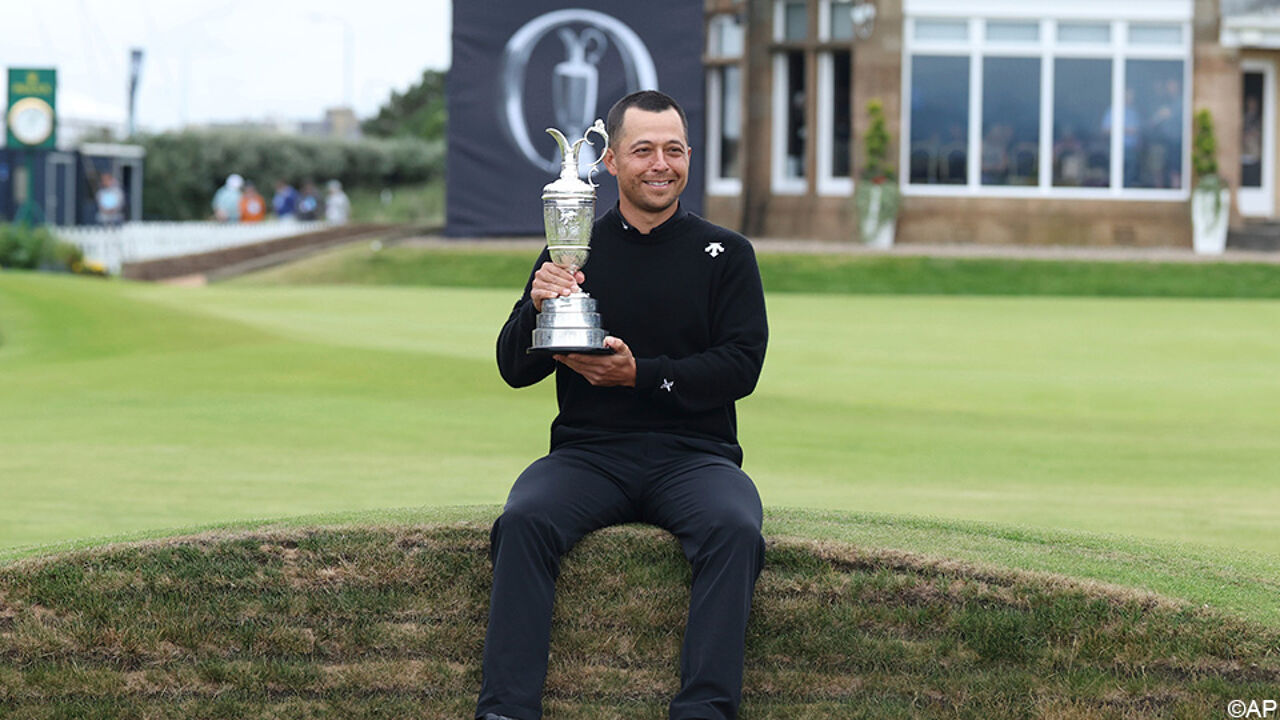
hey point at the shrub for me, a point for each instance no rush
(35, 248)
(1204, 154)
(24, 247)
(184, 169)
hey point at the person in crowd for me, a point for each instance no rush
(309, 205)
(226, 202)
(253, 207)
(285, 202)
(337, 208)
(645, 433)
(110, 200)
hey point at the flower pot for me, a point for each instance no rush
(877, 218)
(1210, 212)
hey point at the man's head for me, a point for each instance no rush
(648, 101)
(648, 152)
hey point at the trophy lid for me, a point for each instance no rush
(569, 184)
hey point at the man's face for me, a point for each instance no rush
(650, 160)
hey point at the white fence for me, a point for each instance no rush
(137, 241)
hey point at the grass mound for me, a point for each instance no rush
(388, 622)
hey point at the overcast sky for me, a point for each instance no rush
(212, 60)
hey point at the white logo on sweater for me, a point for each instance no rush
(667, 384)
(713, 248)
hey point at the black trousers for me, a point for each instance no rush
(701, 497)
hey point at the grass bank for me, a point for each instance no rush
(410, 265)
(355, 621)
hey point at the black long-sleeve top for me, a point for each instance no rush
(687, 300)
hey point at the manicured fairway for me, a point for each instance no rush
(131, 408)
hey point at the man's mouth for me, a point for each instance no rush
(657, 183)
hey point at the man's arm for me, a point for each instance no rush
(517, 367)
(547, 281)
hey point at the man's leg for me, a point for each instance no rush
(553, 504)
(713, 508)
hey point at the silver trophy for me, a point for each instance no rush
(570, 323)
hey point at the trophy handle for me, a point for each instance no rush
(597, 128)
(561, 140)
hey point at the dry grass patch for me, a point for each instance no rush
(388, 622)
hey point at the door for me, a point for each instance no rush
(60, 189)
(1258, 139)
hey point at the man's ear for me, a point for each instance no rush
(610, 162)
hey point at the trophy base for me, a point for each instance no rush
(569, 324)
(561, 340)
(568, 350)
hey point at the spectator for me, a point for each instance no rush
(110, 199)
(309, 206)
(253, 207)
(337, 208)
(285, 202)
(226, 202)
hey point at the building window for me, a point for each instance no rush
(1081, 109)
(1153, 124)
(836, 114)
(939, 120)
(835, 97)
(725, 39)
(791, 129)
(1010, 121)
(813, 97)
(791, 88)
(1073, 107)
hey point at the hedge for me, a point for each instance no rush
(184, 169)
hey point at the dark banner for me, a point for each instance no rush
(521, 66)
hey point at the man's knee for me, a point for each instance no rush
(731, 533)
(529, 525)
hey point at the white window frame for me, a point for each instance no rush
(717, 184)
(1118, 50)
(783, 184)
(827, 183)
(780, 182)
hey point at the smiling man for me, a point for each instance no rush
(646, 434)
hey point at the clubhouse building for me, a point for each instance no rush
(1000, 115)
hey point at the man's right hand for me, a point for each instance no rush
(553, 281)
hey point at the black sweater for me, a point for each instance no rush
(687, 300)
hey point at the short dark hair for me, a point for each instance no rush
(647, 100)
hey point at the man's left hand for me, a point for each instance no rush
(605, 370)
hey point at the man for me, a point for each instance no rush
(645, 434)
(110, 200)
(226, 201)
(285, 202)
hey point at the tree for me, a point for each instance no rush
(418, 112)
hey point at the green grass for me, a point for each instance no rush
(1129, 441)
(386, 621)
(407, 204)
(811, 273)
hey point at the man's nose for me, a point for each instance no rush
(660, 160)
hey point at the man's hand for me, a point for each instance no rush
(605, 370)
(552, 281)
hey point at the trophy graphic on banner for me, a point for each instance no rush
(570, 323)
(575, 85)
